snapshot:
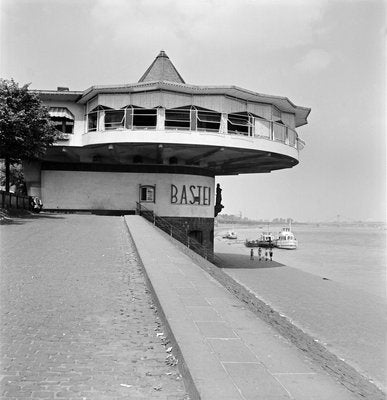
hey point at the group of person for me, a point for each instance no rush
(262, 257)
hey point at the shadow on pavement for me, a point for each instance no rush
(21, 218)
(241, 261)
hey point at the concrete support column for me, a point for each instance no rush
(160, 119)
(32, 175)
(223, 123)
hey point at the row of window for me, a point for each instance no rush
(178, 118)
(192, 118)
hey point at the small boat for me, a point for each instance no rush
(286, 240)
(265, 240)
(230, 235)
(251, 243)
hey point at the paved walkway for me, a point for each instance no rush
(229, 352)
(77, 321)
(351, 323)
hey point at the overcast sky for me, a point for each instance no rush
(327, 55)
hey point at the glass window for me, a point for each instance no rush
(208, 120)
(239, 123)
(92, 119)
(147, 193)
(177, 118)
(63, 119)
(63, 125)
(144, 118)
(114, 119)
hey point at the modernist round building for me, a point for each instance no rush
(160, 142)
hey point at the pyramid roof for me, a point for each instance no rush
(162, 69)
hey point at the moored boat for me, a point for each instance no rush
(230, 235)
(265, 240)
(286, 240)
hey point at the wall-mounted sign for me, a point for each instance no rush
(191, 194)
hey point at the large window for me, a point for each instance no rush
(208, 120)
(114, 119)
(239, 123)
(63, 125)
(147, 193)
(63, 119)
(144, 118)
(92, 119)
(178, 118)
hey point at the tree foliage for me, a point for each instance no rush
(26, 130)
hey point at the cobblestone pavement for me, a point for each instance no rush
(77, 320)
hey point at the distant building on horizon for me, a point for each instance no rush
(160, 142)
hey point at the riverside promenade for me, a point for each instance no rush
(78, 321)
(350, 323)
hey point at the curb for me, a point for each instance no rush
(176, 351)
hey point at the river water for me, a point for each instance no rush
(352, 255)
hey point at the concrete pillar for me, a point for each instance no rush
(160, 119)
(223, 123)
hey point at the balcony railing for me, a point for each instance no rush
(243, 125)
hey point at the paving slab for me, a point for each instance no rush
(350, 323)
(227, 352)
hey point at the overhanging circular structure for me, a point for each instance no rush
(161, 142)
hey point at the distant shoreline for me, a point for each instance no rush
(276, 224)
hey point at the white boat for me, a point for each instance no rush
(230, 235)
(286, 240)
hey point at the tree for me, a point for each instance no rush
(26, 130)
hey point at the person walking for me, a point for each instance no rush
(252, 254)
(266, 255)
(271, 254)
(259, 254)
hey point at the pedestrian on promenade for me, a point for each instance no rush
(252, 254)
(271, 254)
(259, 254)
(266, 255)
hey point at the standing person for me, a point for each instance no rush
(271, 254)
(266, 255)
(252, 254)
(259, 254)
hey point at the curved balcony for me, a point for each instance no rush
(135, 124)
(219, 142)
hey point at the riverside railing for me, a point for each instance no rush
(175, 232)
(12, 200)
